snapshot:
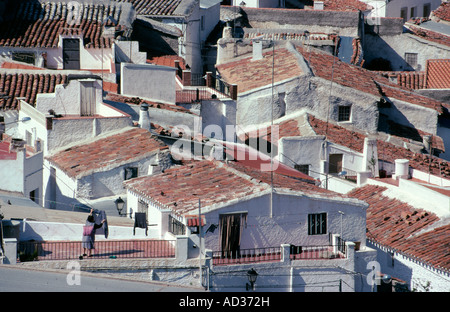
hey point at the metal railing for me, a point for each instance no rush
(67, 250)
(263, 254)
(317, 252)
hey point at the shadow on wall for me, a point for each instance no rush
(379, 55)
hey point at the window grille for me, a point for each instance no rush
(344, 113)
(317, 223)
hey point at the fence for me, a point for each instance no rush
(241, 256)
(317, 252)
(64, 250)
(272, 254)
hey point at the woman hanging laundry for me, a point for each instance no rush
(88, 241)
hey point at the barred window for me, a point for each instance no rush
(317, 223)
(344, 113)
(411, 59)
(176, 227)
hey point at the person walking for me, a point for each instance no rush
(88, 241)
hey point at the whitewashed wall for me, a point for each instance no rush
(152, 82)
(416, 274)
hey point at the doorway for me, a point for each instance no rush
(71, 53)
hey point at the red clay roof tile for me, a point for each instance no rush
(32, 24)
(386, 151)
(27, 85)
(115, 150)
(395, 224)
(438, 74)
(249, 74)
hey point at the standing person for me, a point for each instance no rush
(89, 234)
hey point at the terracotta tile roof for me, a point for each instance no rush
(283, 179)
(428, 34)
(395, 224)
(255, 160)
(137, 101)
(32, 24)
(249, 74)
(154, 7)
(285, 129)
(28, 86)
(214, 182)
(364, 80)
(438, 74)
(407, 79)
(386, 151)
(443, 11)
(179, 188)
(106, 152)
(345, 5)
(167, 60)
(17, 65)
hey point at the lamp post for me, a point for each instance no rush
(252, 276)
(119, 205)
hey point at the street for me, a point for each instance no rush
(14, 279)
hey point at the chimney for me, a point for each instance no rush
(427, 142)
(2, 127)
(318, 5)
(401, 169)
(257, 50)
(144, 118)
(370, 155)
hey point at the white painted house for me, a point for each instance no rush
(405, 9)
(241, 218)
(96, 167)
(20, 168)
(65, 34)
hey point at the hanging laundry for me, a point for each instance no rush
(140, 221)
(100, 215)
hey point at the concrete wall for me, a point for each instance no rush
(394, 47)
(152, 82)
(344, 23)
(288, 224)
(419, 276)
(311, 94)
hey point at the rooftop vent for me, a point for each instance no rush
(318, 5)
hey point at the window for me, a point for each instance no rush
(344, 113)
(335, 163)
(404, 14)
(413, 12)
(426, 9)
(25, 57)
(317, 223)
(302, 168)
(176, 227)
(130, 173)
(411, 59)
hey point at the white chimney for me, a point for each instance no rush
(370, 155)
(257, 50)
(318, 5)
(401, 169)
(144, 118)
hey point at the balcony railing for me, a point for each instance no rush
(265, 254)
(273, 254)
(67, 250)
(317, 252)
